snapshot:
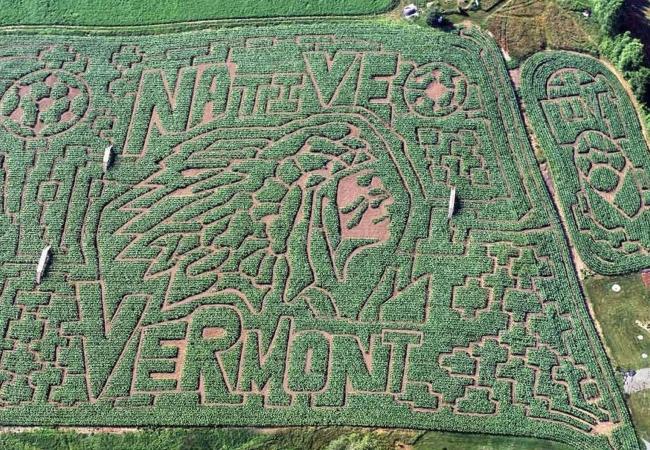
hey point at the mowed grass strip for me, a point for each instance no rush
(136, 12)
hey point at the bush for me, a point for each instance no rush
(436, 19)
(640, 82)
(608, 12)
(624, 51)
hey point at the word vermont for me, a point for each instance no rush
(225, 363)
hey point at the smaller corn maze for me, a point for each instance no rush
(599, 161)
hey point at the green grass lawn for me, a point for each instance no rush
(282, 439)
(450, 441)
(158, 439)
(138, 12)
(639, 404)
(617, 313)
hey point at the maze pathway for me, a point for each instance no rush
(272, 246)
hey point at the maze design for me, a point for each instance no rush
(271, 245)
(599, 160)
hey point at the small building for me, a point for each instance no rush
(410, 11)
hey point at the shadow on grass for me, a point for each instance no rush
(635, 18)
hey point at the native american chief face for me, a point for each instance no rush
(269, 212)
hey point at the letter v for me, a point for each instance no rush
(327, 73)
(104, 340)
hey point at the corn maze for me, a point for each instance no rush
(274, 245)
(599, 160)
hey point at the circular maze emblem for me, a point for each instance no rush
(435, 89)
(44, 103)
